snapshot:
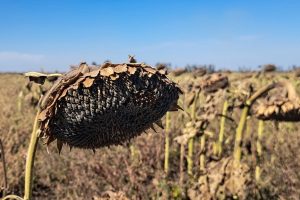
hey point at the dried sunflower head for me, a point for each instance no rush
(279, 109)
(214, 82)
(269, 68)
(192, 91)
(95, 107)
(282, 105)
(201, 71)
(190, 130)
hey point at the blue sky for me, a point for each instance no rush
(52, 35)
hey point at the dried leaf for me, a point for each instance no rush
(93, 74)
(43, 115)
(88, 82)
(131, 70)
(120, 68)
(163, 71)
(114, 77)
(64, 93)
(150, 70)
(107, 71)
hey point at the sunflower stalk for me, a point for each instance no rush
(239, 134)
(202, 153)
(30, 158)
(259, 149)
(190, 155)
(181, 175)
(167, 143)
(222, 130)
(237, 154)
(191, 140)
(4, 167)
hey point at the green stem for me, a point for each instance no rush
(181, 165)
(239, 131)
(259, 149)
(191, 140)
(239, 135)
(202, 153)
(190, 156)
(167, 143)
(30, 159)
(222, 129)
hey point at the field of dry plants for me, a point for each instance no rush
(237, 138)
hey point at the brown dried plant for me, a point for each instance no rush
(94, 107)
(281, 105)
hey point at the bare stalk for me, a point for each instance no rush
(191, 140)
(181, 178)
(30, 158)
(4, 167)
(202, 153)
(239, 134)
(259, 149)
(243, 119)
(222, 130)
(190, 155)
(167, 143)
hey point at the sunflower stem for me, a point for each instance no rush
(202, 153)
(30, 158)
(239, 135)
(4, 167)
(181, 175)
(191, 140)
(259, 149)
(167, 143)
(222, 130)
(190, 155)
(239, 131)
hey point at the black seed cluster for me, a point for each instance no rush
(111, 112)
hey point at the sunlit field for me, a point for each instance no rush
(236, 137)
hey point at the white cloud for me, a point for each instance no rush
(16, 57)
